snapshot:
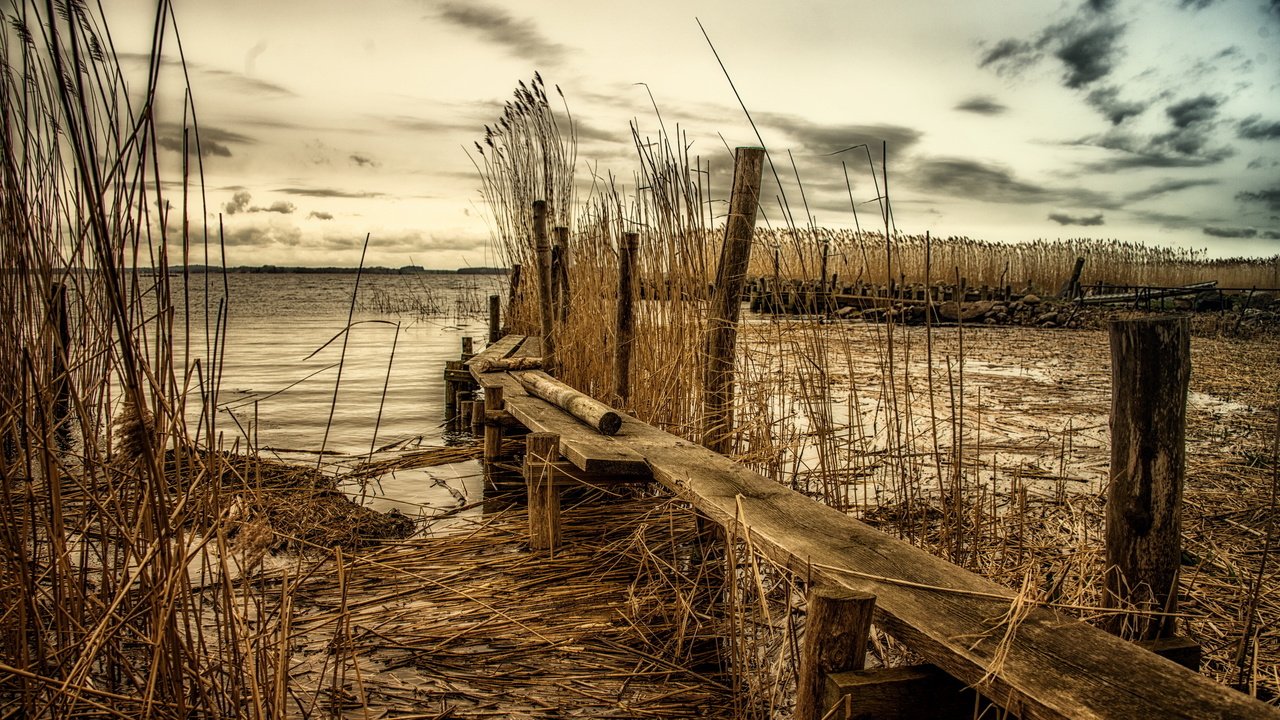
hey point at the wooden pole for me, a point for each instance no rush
(722, 324)
(512, 293)
(450, 393)
(542, 450)
(1150, 369)
(543, 246)
(495, 329)
(468, 348)
(587, 409)
(477, 417)
(626, 329)
(837, 626)
(1072, 287)
(561, 282)
(493, 401)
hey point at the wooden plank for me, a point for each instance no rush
(917, 692)
(1051, 665)
(530, 346)
(498, 350)
(579, 444)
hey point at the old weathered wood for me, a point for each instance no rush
(587, 409)
(563, 295)
(1182, 650)
(451, 391)
(512, 294)
(542, 244)
(495, 328)
(477, 417)
(1071, 288)
(1150, 370)
(493, 430)
(625, 326)
(731, 275)
(542, 450)
(836, 628)
(496, 351)
(506, 364)
(468, 348)
(916, 692)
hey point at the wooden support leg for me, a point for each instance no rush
(461, 395)
(477, 417)
(542, 450)
(492, 430)
(917, 692)
(837, 627)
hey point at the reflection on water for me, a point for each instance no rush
(293, 384)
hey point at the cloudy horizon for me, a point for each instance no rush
(1151, 121)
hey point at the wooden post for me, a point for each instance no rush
(837, 626)
(543, 246)
(450, 393)
(477, 417)
(465, 411)
(542, 450)
(468, 348)
(1150, 369)
(492, 431)
(561, 281)
(495, 330)
(60, 386)
(626, 329)
(1071, 289)
(722, 324)
(461, 396)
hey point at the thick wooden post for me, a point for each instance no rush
(561, 268)
(512, 293)
(477, 417)
(468, 348)
(626, 329)
(495, 329)
(836, 628)
(1071, 289)
(541, 452)
(545, 320)
(492, 431)
(1150, 369)
(451, 393)
(722, 324)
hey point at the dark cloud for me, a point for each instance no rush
(1065, 219)
(363, 160)
(280, 206)
(320, 215)
(1230, 232)
(1088, 52)
(1266, 196)
(519, 35)
(823, 139)
(1195, 4)
(1164, 187)
(207, 147)
(980, 181)
(1101, 6)
(239, 203)
(327, 193)
(1010, 56)
(1107, 101)
(251, 86)
(982, 105)
(211, 140)
(255, 236)
(1200, 109)
(1255, 128)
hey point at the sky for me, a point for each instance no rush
(1151, 121)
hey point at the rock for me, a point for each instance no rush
(963, 313)
(1049, 317)
(1031, 299)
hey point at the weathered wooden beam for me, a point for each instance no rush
(1182, 650)
(625, 326)
(731, 274)
(1150, 371)
(542, 245)
(542, 450)
(836, 628)
(587, 409)
(916, 692)
(494, 410)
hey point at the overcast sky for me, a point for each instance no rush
(1155, 121)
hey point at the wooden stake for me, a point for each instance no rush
(477, 417)
(837, 626)
(542, 450)
(468, 348)
(543, 246)
(722, 324)
(495, 330)
(1150, 369)
(492, 431)
(512, 293)
(626, 329)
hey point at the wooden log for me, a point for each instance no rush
(583, 407)
(722, 324)
(493, 403)
(626, 328)
(486, 365)
(542, 450)
(1150, 370)
(542, 244)
(495, 330)
(916, 692)
(837, 626)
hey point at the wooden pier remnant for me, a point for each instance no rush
(625, 326)
(1150, 370)
(837, 626)
(542, 450)
(495, 329)
(546, 319)
(587, 409)
(726, 303)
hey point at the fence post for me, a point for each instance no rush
(626, 329)
(493, 402)
(1150, 369)
(542, 244)
(836, 628)
(495, 329)
(722, 324)
(541, 452)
